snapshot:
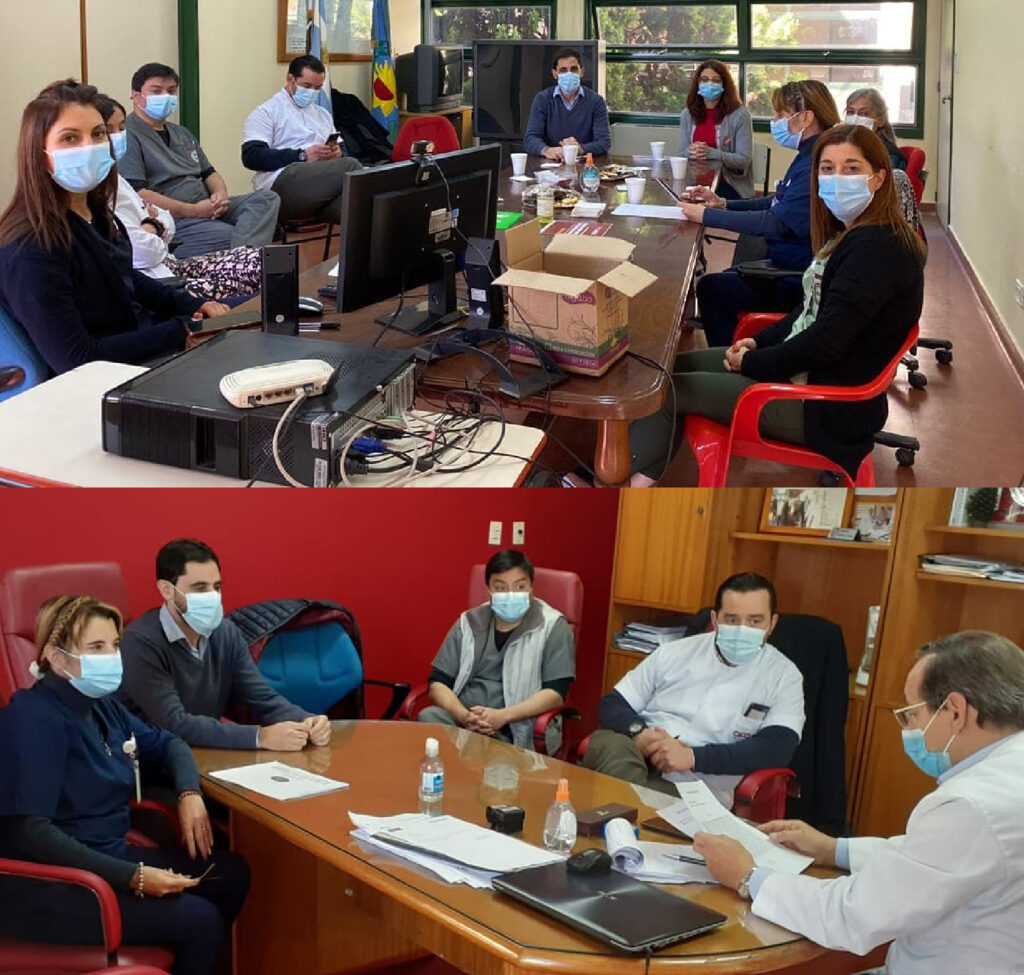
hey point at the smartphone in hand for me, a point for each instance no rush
(335, 139)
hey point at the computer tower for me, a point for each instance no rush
(281, 289)
(486, 299)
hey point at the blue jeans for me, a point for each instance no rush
(724, 295)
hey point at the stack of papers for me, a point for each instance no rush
(645, 637)
(279, 781)
(648, 210)
(588, 208)
(698, 805)
(456, 851)
(659, 863)
(971, 566)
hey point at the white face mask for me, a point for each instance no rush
(868, 123)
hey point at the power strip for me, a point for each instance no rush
(276, 382)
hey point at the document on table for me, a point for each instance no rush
(658, 863)
(455, 840)
(279, 781)
(333, 272)
(648, 210)
(698, 804)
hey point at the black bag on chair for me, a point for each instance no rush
(365, 138)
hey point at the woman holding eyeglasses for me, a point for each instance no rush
(780, 224)
(715, 126)
(68, 754)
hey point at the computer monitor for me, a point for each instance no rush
(508, 74)
(430, 78)
(406, 224)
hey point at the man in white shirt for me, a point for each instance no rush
(285, 141)
(949, 894)
(715, 706)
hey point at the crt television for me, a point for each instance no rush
(508, 74)
(407, 224)
(430, 78)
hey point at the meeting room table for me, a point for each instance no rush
(631, 388)
(325, 903)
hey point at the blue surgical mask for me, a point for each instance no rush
(101, 673)
(119, 142)
(204, 611)
(83, 168)
(782, 135)
(710, 90)
(931, 763)
(160, 107)
(739, 644)
(510, 606)
(846, 196)
(304, 97)
(568, 83)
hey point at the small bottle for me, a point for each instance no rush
(545, 203)
(431, 780)
(591, 178)
(560, 822)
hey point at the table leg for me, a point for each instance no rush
(612, 460)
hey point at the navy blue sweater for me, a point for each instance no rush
(551, 122)
(89, 303)
(783, 218)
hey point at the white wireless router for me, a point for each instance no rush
(276, 382)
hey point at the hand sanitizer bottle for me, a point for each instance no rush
(431, 780)
(560, 822)
(591, 178)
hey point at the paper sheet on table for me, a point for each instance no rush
(654, 862)
(333, 272)
(462, 843)
(712, 817)
(449, 872)
(522, 179)
(652, 797)
(648, 210)
(279, 781)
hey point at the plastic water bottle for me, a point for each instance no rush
(431, 780)
(591, 178)
(545, 202)
(560, 822)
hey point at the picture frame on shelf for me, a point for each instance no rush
(805, 511)
(874, 514)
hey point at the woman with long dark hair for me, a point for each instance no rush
(862, 295)
(715, 126)
(66, 271)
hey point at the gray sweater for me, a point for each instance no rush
(735, 150)
(172, 688)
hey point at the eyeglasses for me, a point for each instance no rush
(902, 715)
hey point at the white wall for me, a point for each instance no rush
(987, 199)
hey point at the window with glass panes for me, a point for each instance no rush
(459, 22)
(653, 49)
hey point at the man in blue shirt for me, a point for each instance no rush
(567, 114)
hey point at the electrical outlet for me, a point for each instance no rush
(494, 534)
(518, 532)
(1018, 292)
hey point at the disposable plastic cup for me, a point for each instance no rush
(518, 163)
(635, 189)
(658, 150)
(678, 164)
(569, 153)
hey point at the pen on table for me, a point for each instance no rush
(686, 859)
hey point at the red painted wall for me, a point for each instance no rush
(398, 559)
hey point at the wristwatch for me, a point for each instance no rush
(302, 155)
(635, 728)
(744, 886)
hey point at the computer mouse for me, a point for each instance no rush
(589, 861)
(310, 306)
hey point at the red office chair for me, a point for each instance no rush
(714, 445)
(23, 590)
(559, 589)
(916, 160)
(435, 128)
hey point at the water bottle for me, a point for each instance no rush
(560, 822)
(431, 780)
(591, 178)
(545, 202)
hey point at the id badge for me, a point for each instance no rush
(750, 722)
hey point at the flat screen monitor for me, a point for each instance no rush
(400, 223)
(430, 78)
(508, 74)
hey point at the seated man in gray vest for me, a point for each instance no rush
(166, 166)
(503, 662)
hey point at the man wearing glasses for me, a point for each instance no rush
(949, 894)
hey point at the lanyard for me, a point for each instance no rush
(131, 749)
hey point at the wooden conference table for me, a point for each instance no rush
(323, 903)
(631, 389)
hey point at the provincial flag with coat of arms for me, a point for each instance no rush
(384, 105)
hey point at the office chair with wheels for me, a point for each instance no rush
(562, 591)
(714, 445)
(23, 367)
(434, 128)
(311, 229)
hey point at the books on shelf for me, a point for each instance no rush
(974, 567)
(647, 637)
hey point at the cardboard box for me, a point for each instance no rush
(572, 297)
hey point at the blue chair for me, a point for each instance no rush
(18, 352)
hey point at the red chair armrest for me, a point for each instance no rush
(399, 694)
(749, 784)
(751, 322)
(540, 726)
(416, 700)
(110, 913)
(581, 750)
(761, 795)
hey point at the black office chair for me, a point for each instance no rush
(311, 229)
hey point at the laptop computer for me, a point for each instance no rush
(622, 912)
